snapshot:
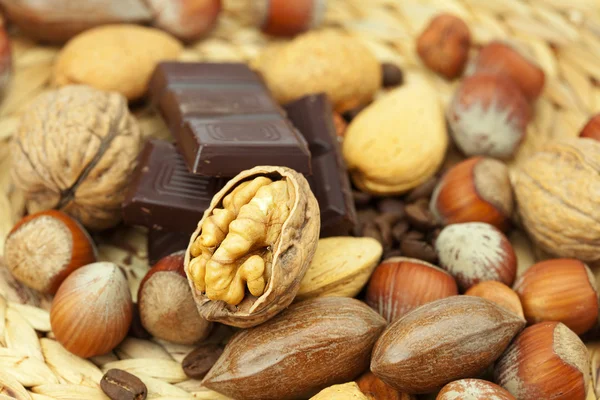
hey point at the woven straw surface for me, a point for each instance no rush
(563, 36)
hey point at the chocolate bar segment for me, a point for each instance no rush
(163, 194)
(312, 115)
(224, 119)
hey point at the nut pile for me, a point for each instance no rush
(426, 298)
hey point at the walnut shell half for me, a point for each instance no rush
(253, 246)
(75, 150)
(557, 191)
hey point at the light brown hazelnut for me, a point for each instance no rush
(546, 361)
(92, 309)
(444, 45)
(499, 293)
(475, 251)
(384, 152)
(557, 196)
(322, 61)
(185, 19)
(499, 58)
(75, 150)
(279, 19)
(488, 115)
(167, 308)
(561, 290)
(376, 389)
(44, 248)
(592, 128)
(254, 244)
(475, 190)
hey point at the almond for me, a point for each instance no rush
(442, 341)
(312, 345)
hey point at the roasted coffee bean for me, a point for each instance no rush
(361, 198)
(392, 206)
(198, 362)
(392, 253)
(136, 329)
(352, 113)
(370, 229)
(419, 216)
(392, 75)
(432, 236)
(121, 385)
(423, 191)
(414, 235)
(399, 230)
(418, 249)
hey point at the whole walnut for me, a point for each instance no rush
(557, 191)
(75, 150)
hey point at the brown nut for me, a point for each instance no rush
(441, 341)
(322, 61)
(5, 58)
(400, 284)
(475, 251)
(44, 248)
(166, 305)
(562, 290)
(478, 389)
(270, 361)
(499, 293)
(280, 19)
(475, 190)
(499, 58)
(376, 389)
(92, 310)
(546, 361)
(556, 188)
(59, 20)
(75, 150)
(444, 45)
(488, 116)
(592, 128)
(260, 232)
(185, 19)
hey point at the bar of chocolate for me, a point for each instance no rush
(162, 243)
(312, 115)
(163, 194)
(224, 120)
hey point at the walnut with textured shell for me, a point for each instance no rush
(557, 191)
(253, 246)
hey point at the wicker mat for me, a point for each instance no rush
(564, 37)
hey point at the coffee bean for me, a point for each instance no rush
(423, 191)
(200, 361)
(350, 114)
(414, 235)
(392, 253)
(361, 198)
(419, 250)
(433, 235)
(392, 206)
(366, 215)
(419, 216)
(121, 385)
(370, 229)
(399, 230)
(392, 75)
(136, 329)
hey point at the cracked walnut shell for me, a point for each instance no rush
(74, 151)
(557, 191)
(253, 246)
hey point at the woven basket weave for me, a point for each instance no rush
(563, 36)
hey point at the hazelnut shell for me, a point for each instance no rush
(473, 389)
(499, 293)
(292, 254)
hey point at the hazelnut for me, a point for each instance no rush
(557, 190)
(42, 249)
(592, 128)
(399, 285)
(475, 251)
(167, 308)
(475, 190)
(75, 150)
(479, 389)
(280, 19)
(488, 115)
(185, 19)
(444, 45)
(499, 293)
(561, 290)
(546, 361)
(92, 310)
(499, 58)
(376, 389)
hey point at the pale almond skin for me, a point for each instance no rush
(448, 339)
(312, 345)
